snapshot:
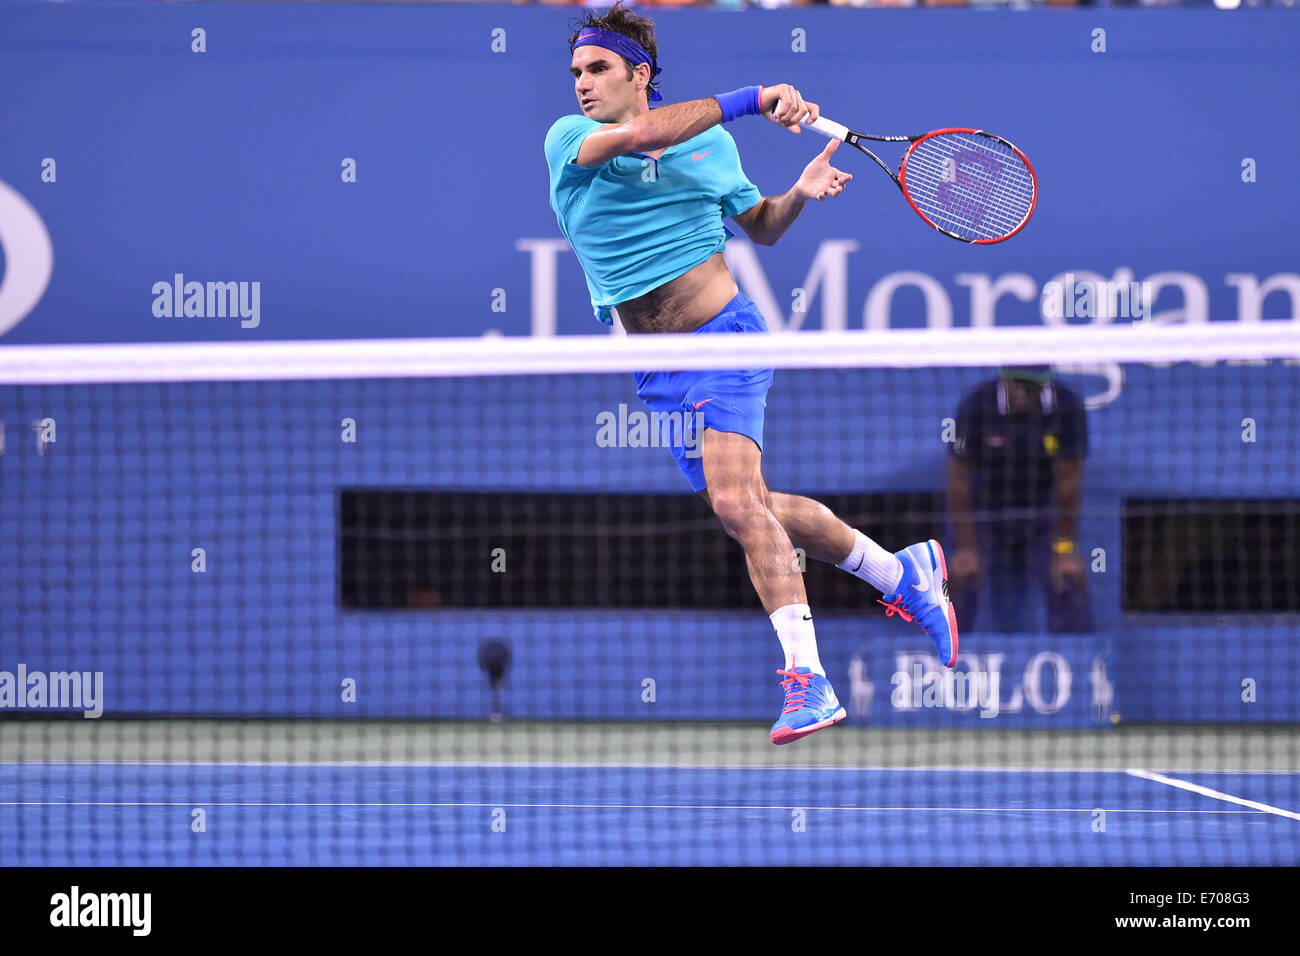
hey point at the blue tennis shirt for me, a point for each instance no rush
(635, 223)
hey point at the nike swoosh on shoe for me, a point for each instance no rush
(921, 574)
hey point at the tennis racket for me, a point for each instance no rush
(966, 183)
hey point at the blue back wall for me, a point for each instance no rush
(225, 166)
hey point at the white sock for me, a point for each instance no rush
(794, 628)
(873, 564)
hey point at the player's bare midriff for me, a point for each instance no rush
(682, 304)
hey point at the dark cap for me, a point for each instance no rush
(1042, 374)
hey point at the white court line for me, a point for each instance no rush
(540, 765)
(598, 806)
(1216, 794)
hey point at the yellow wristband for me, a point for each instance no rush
(1063, 546)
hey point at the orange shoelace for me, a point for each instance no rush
(897, 608)
(794, 698)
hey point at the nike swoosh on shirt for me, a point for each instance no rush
(697, 158)
(706, 401)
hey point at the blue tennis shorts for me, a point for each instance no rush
(729, 401)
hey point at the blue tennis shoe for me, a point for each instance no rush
(923, 597)
(810, 704)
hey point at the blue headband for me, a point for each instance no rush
(630, 50)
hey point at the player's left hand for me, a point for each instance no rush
(820, 179)
(1066, 569)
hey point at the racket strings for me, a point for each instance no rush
(972, 185)
(973, 199)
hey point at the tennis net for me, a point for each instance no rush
(452, 602)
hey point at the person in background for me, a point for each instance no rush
(1015, 474)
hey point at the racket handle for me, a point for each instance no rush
(822, 125)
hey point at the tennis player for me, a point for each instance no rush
(641, 196)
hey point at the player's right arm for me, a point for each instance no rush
(670, 125)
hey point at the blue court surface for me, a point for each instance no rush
(339, 814)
